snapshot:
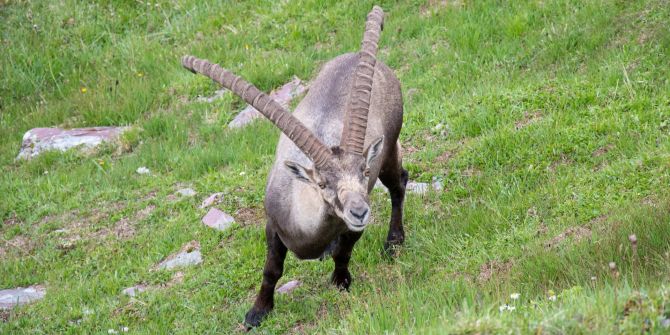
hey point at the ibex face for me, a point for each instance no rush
(342, 183)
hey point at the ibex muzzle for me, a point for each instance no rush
(340, 139)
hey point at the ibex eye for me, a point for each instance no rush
(322, 185)
(366, 172)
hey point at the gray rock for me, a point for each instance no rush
(135, 290)
(143, 170)
(418, 188)
(188, 255)
(187, 192)
(211, 200)
(217, 219)
(289, 287)
(39, 140)
(283, 96)
(19, 296)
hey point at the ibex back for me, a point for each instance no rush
(340, 139)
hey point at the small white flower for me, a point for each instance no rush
(112, 331)
(515, 296)
(511, 308)
(124, 329)
(593, 278)
(503, 308)
(242, 173)
(143, 170)
(552, 298)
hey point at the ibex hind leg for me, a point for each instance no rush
(274, 267)
(394, 177)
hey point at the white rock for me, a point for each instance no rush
(10, 298)
(142, 170)
(182, 259)
(214, 198)
(39, 140)
(187, 192)
(288, 287)
(217, 219)
(418, 188)
(135, 290)
(188, 255)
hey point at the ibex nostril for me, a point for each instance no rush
(361, 215)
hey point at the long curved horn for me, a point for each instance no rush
(356, 116)
(285, 121)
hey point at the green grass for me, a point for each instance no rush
(557, 115)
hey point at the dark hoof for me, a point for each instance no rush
(392, 247)
(341, 279)
(254, 317)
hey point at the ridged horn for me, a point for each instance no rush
(285, 121)
(356, 116)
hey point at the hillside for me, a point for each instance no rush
(547, 122)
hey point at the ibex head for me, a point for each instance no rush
(343, 182)
(340, 174)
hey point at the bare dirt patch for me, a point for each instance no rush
(11, 220)
(436, 5)
(602, 150)
(20, 245)
(125, 227)
(576, 233)
(650, 201)
(564, 160)
(4, 315)
(249, 216)
(472, 172)
(494, 268)
(445, 156)
(528, 118)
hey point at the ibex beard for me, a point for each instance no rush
(341, 138)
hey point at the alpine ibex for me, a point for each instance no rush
(317, 195)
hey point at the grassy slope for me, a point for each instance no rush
(558, 116)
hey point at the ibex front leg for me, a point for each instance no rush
(341, 255)
(394, 177)
(274, 267)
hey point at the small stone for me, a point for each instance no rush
(289, 287)
(215, 198)
(437, 185)
(187, 192)
(188, 255)
(135, 290)
(217, 219)
(142, 170)
(418, 188)
(20, 296)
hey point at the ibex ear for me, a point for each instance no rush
(300, 172)
(374, 150)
